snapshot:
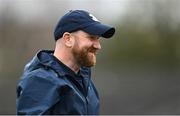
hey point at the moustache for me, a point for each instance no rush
(92, 50)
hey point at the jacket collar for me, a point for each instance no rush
(48, 60)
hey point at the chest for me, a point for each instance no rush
(78, 97)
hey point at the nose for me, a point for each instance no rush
(97, 44)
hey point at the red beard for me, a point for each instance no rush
(85, 56)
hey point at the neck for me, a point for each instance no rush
(68, 60)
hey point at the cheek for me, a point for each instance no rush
(82, 45)
(76, 46)
(85, 43)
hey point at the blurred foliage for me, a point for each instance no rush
(139, 41)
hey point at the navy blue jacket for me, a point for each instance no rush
(49, 87)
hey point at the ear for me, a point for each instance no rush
(68, 40)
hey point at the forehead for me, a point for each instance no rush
(83, 33)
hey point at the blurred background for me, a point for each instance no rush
(137, 71)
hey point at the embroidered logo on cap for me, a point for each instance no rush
(93, 17)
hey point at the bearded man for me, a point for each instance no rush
(59, 81)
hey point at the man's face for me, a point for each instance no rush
(85, 48)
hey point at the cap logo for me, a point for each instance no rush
(93, 17)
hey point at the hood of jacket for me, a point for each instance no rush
(45, 59)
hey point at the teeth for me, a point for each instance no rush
(94, 52)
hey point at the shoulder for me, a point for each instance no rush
(42, 75)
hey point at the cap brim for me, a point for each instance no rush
(100, 30)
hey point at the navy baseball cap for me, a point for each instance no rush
(76, 20)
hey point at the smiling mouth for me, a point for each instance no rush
(95, 53)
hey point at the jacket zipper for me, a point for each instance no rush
(85, 88)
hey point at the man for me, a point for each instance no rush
(59, 81)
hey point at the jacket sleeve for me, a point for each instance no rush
(36, 95)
